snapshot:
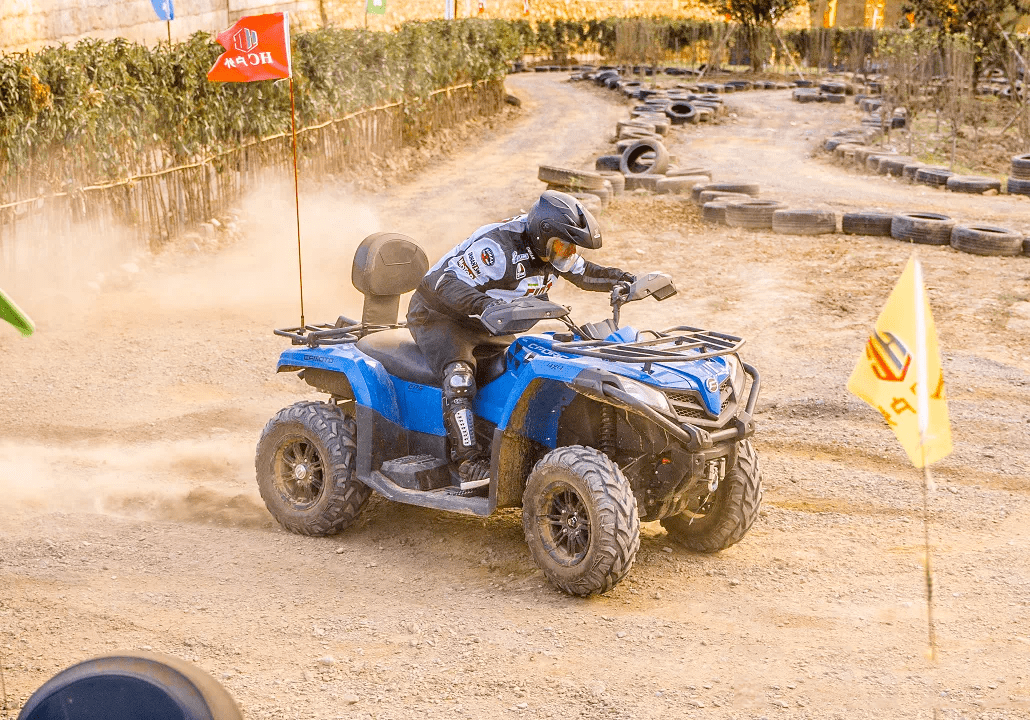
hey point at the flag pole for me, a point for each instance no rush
(168, 25)
(923, 408)
(296, 197)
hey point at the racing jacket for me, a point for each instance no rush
(497, 263)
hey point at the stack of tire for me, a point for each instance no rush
(1018, 182)
(927, 228)
(828, 92)
(590, 188)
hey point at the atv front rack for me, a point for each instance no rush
(343, 332)
(678, 344)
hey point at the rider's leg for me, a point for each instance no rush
(459, 390)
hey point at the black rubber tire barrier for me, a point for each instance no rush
(751, 189)
(845, 154)
(922, 228)
(894, 166)
(691, 170)
(714, 211)
(972, 184)
(681, 112)
(866, 223)
(833, 99)
(710, 195)
(579, 179)
(1021, 167)
(863, 153)
(933, 176)
(803, 83)
(636, 124)
(804, 222)
(713, 195)
(631, 164)
(873, 160)
(986, 240)
(835, 88)
(805, 96)
(679, 185)
(617, 180)
(646, 182)
(1015, 186)
(607, 163)
(753, 214)
(1026, 246)
(909, 171)
(604, 194)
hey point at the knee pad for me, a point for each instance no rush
(458, 382)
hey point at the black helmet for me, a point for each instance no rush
(561, 216)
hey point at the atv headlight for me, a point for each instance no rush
(647, 395)
(737, 377)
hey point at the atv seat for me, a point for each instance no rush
(386, 265)
(400, 356)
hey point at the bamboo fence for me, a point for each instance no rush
(164, 204)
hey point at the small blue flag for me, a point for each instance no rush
(164, 9)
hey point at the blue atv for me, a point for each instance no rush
(591, 429)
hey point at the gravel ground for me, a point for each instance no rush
(131, 519)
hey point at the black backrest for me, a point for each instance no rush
(386, 265)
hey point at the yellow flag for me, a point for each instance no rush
(899, 372)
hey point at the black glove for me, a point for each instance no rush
(494, 304)
(627, 277)
(484, 315)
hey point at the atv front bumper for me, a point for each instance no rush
(607, 387)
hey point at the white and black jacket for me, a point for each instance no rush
(497, 263)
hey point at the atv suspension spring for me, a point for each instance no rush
(608, 431)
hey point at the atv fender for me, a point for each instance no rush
(367, 380)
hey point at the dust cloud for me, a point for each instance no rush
(205, 481)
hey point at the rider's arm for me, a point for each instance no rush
(459, 296)
(589, 276)
(459, 283)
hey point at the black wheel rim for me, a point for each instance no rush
(564, 524)
(299, 472)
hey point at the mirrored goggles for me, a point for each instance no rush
(558, 249)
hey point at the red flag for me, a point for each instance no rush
(256, 48)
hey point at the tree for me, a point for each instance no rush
(981, 20)
(753, 16)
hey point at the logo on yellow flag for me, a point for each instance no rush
(899, 372)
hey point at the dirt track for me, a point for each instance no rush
(130, 517)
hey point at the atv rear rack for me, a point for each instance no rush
(687, 344)
(345, 331)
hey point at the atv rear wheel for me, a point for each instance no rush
(580, 519)
(305, 469)
(714, 521)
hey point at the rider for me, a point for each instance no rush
(498, 263)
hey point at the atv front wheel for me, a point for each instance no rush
(714, 521)
(580, 519)
(305, 469)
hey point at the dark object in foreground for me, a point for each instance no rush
(131, 686)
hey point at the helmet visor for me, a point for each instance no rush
(558, 249)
